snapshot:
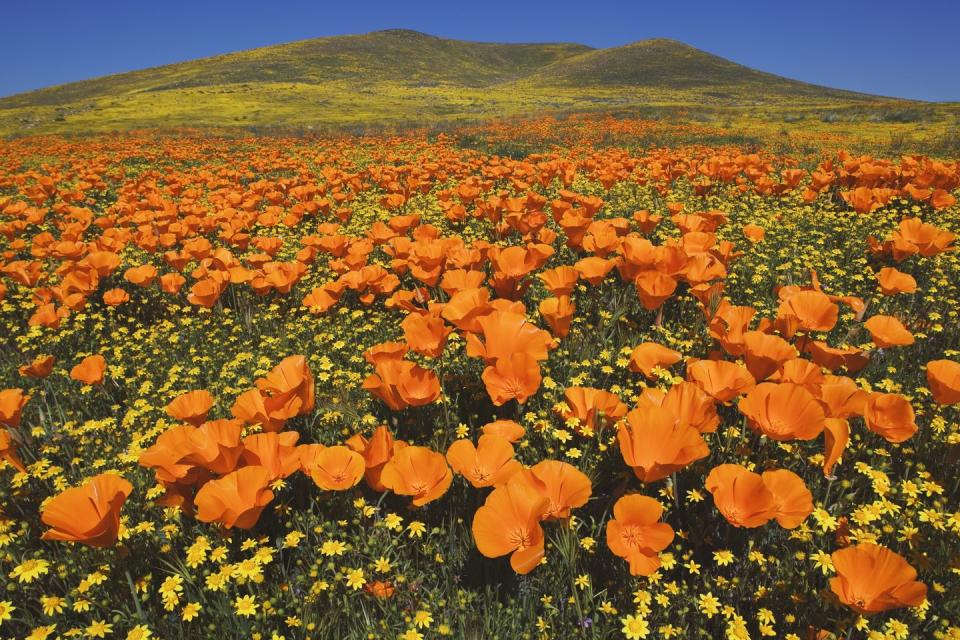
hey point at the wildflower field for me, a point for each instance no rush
(587, 378)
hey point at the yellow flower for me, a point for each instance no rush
(30, 570)
(6, 608)
(708, 605)
(382, 565)
(422, 619)
(99, 629)
(332, 548)
(190, 611)
(355, 579)
(635, 627)
(416, 529)
(723, 557)
(139, 632)
(51, 605)
(245, 606)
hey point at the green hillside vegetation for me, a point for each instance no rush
(400, 77)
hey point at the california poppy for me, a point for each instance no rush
(507, 429)
(887, 331)
(333, 468)
(488, 464)
(509, 523)
(418, 472)
(649, 355)
(636, 534)
(891, 416)
(191, 406)
(90, 370)
(505, 333)
(89, 514)
(783, 411)
(893, 281)
(808, 311)
(871, 578)
(8, 451)
(764, 353)
(558, 312)
(425, 333)
(654, 444)
(836, 436)
(565, 486)
(275, 452)
(721, 379)
(41, 367)
(401, 384)
(741, 496)
(943, 378)
(514, 377)
(592, 409)
(235, 500)
(792, 498)
(653, 288)
(12, 402)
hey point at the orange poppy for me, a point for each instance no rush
(505, 333)
(235, 500)
(89, 514)
(871, 578)
(507, 429)
(90, 370)
(514, 377)
(593, 409)
(565, 486)
(376, 452)
(836, 436)
(792, 498)
(807, 311)
(650, 355)
(215, 446)
(754, 233)
(890, 416)
(12, 402)
(741, 496)
(654, 444)
(653, 288)
(288, 388)
(943, 378)
(115, 297)
(8, 451)
(275, 452)
(425, 333)
(558, 312)
(489, 464)
(380, 589)
(636, 534)
(893, 281)
(721, 379)
(841, 397)
(594, 270)
(783, 411)
(250, 407)
(332, 468)
(887, 331)
(764, 353)
(418, 472)
(401, 384)
(40, 368)
(192, 406)
(560, 281)
(141, 276)
(509, 523)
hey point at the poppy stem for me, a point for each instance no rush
(133, 592)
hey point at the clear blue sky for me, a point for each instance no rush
(896, 48)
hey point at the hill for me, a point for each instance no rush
(401, 77)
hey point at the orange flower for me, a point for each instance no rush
(115, 297)
(418, 472)
(593, 269)
(380, 589)
(332, 468)
(41, 367)
(565, 486)
(376, 453)
(841, 397)
(8, 451)
(808, 311)
(215, 446)
(560, 281)
(764, 353)
(288, 385)
(401, 384)
(636, 534)
(12, 402)
(887, 331)
(250, 407)
(871, 578)
(893, 282)
(509, 523)
(275, 452)
(489, 464)
(506, 333)
(593, 409)
(558, 312)
(741, 496)
(235, 500)
(721, 379)
(891, 416)
(836, 436)
(783, 411)
(650, 355)
(141, 276)
(507, 429)
(514, 377)
(754, 233)
(655, 445)
(653, 288)
(687, 402)
(90, 370)
(192, 406)
(793, 500)
(89, 514)
(425, 333)
(943, 378)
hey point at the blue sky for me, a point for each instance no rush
(906, 49)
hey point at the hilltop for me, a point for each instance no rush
(403, 77)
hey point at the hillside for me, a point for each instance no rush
(400, 77)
